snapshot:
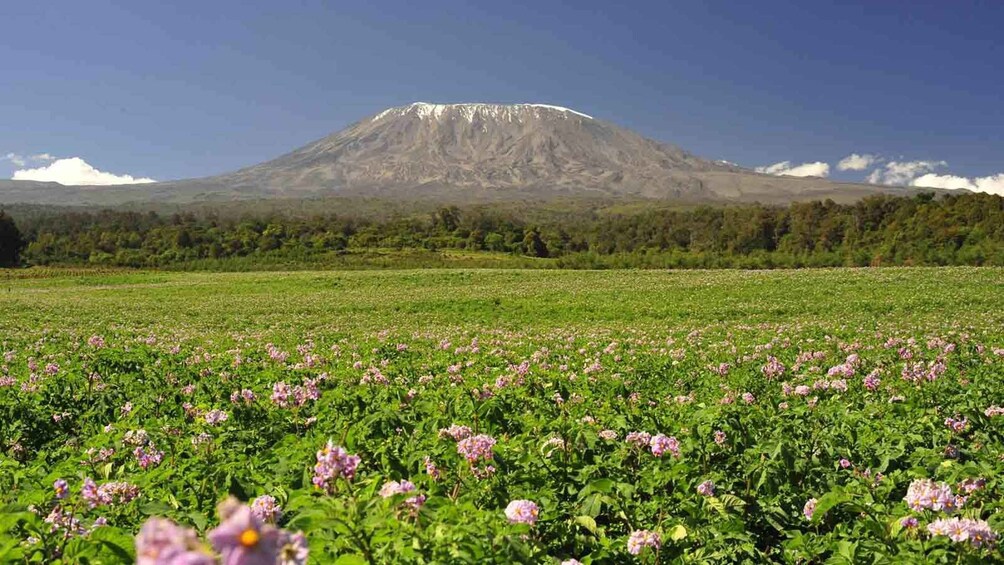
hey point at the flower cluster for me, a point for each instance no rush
(148, 456)
(957, 425)
(660, 444)
(162, 541)
(925, 494)
(266, 509)
(108, 494)
(522, 512)
(641, 539)
(62, 488)
(216, 417)
(476, 448)
(707, 488)
(285, 396)
(976, 532)
(809, 509)
(333, 462)
(431, 469)
(456, 432)
(242, 538)
(246, 396)
(993, 411)
(638, 439)
(392, 488)
(773, 368)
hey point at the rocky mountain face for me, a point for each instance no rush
(483, 147)
(469, 153)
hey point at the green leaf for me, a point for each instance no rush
(155, 507)
(828, 501)
(351, 559)
(587, 522)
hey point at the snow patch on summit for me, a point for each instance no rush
(502, 112)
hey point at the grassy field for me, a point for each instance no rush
(300, 302)
(697, 416)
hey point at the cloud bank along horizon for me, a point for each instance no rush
(920, 174)
(71, 171)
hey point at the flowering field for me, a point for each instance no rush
(842, 416)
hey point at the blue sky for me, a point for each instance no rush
(184, 89)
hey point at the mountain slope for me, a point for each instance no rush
(467, 153)
(478, 146)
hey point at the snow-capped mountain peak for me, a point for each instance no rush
(472, 111)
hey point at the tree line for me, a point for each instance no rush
(953, 229)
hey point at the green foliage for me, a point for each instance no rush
(963, 229)
(545, 362)
(12, 243)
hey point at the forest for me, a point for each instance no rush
(954, 229)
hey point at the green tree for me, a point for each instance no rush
(533, 245)
(11, 241)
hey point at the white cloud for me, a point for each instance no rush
(855, 162)
(993, 184)
(16, 159)
(785, 168)
(931, 180)
(902, 172)
(920, 174)
(19, 160)
(75, 171)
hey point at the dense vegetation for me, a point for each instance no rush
(839, 416)
(12, 243)
(963, 229)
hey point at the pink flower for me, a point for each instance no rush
(641, 539)
(334, 462)
(925, 494)
(62, 488)
(660, 444)
(809, 509)
(638, 439)
(872, 381)
(976, 532)
(215, 417)
(476, 448)
(431, 469)
(522, 512)
(148, 456)
(957, 425)
(162, 542)
(773, 368)
(391, 488)
(243, 539)
(266, 509)
(456, 432)
(108, 494)
(707, 488)
(293, 548)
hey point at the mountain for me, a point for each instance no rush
(471, 152)
(492, 147)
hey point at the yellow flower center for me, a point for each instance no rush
(249, 538)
